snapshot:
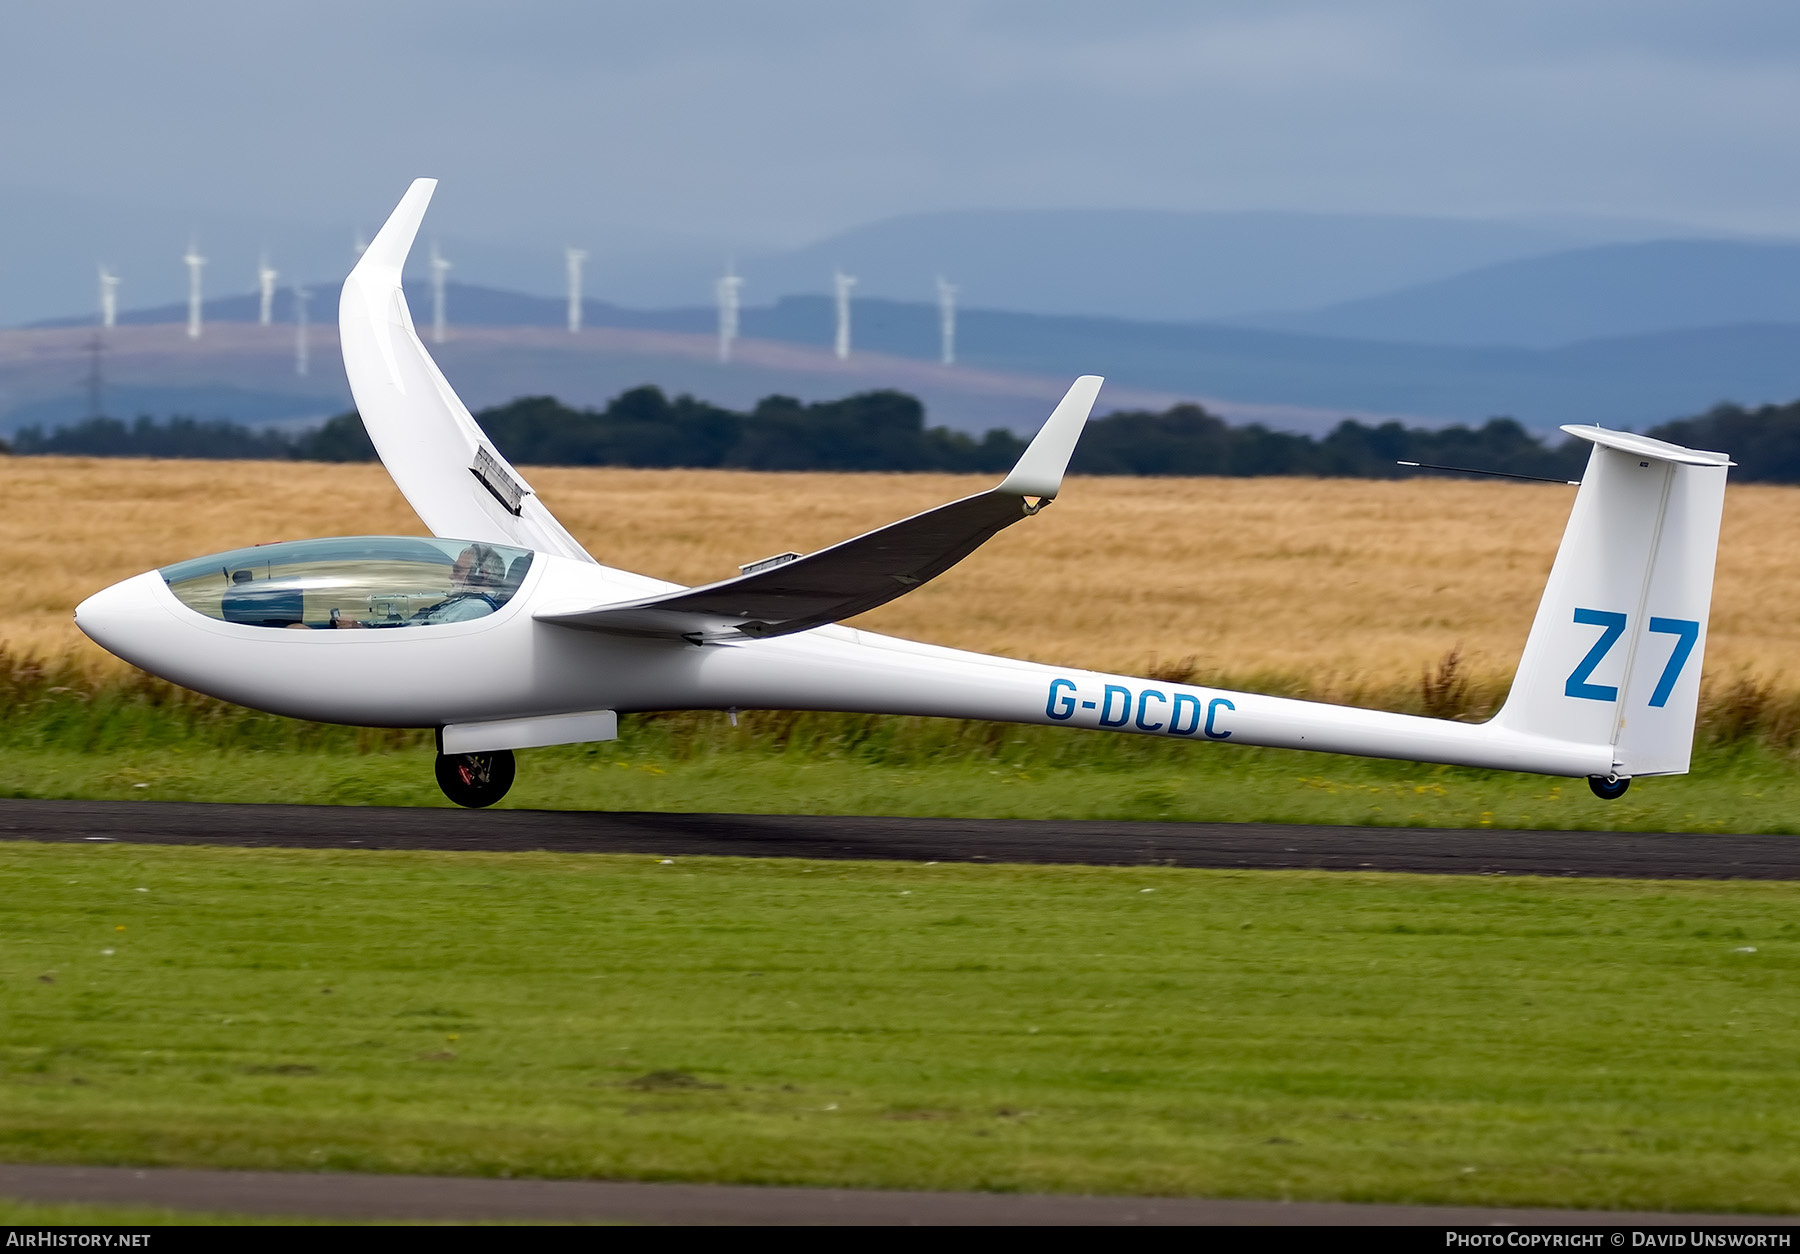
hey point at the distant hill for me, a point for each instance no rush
(250, 406)
(1584, 294)
(54, 241)
(1145, 264)
(241, 371)
(1148, 265)
(1008, 363)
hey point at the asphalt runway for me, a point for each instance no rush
(341, 1196)
(1432, 851)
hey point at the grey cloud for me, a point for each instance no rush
(776, 122)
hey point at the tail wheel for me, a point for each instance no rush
(1609, 787)
(475, 779)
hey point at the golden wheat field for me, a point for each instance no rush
(1336, 586)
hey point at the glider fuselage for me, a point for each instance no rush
(508, 665)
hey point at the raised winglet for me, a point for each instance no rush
(383, 259)
(438, 456)
(1040, 468)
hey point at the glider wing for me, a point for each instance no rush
(795, 593)
(439, 459)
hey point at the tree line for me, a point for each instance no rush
(885, 430)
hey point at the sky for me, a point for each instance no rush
(740, 123)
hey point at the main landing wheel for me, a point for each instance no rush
(1609, 787)
(475, 779)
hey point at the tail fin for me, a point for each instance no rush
(1614, 653)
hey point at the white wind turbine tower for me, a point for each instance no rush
(841, 284)
(727, 290)
(195, 262)
(946, 321)
(439, 268)
(302, 329)
(265, 278)
(572, 259)
(109, 297)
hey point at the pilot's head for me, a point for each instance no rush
(478, 566)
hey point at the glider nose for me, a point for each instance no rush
(113, 617)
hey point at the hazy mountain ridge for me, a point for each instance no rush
(1568, 297)
(1149, 264)
(1624, 381)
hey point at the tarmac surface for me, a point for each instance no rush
(343, 1196)
(1431, 851)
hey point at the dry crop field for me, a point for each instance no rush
(1334, 586)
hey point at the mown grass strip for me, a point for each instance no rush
(1360, 1037)
(26, 1214)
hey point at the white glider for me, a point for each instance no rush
(503, 633)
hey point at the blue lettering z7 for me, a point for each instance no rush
(1686, 631)
(1578, 685)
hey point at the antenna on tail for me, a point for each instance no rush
(1496, 474)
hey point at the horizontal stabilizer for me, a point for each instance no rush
(1648, 447)
(857, 575)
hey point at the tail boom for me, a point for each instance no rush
(845, 670)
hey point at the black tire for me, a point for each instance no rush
(1609, 789)
(475, 780)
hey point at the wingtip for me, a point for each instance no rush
(387, 252)
(1040, 468)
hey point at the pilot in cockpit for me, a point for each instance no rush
(477, 588)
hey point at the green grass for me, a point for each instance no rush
(1260, 1034)
(1028, 773)
(91, 1215)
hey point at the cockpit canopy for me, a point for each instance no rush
(352, 582)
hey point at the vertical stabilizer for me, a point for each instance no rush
(1614, 653)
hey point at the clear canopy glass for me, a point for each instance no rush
(351, 582)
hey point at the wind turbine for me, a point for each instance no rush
(265, 277)
(572, 259)
(439, 268)
(302, 331)
(841, 284)
(195, 262)
(727, 291)
(946, 321)
(109, 297)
